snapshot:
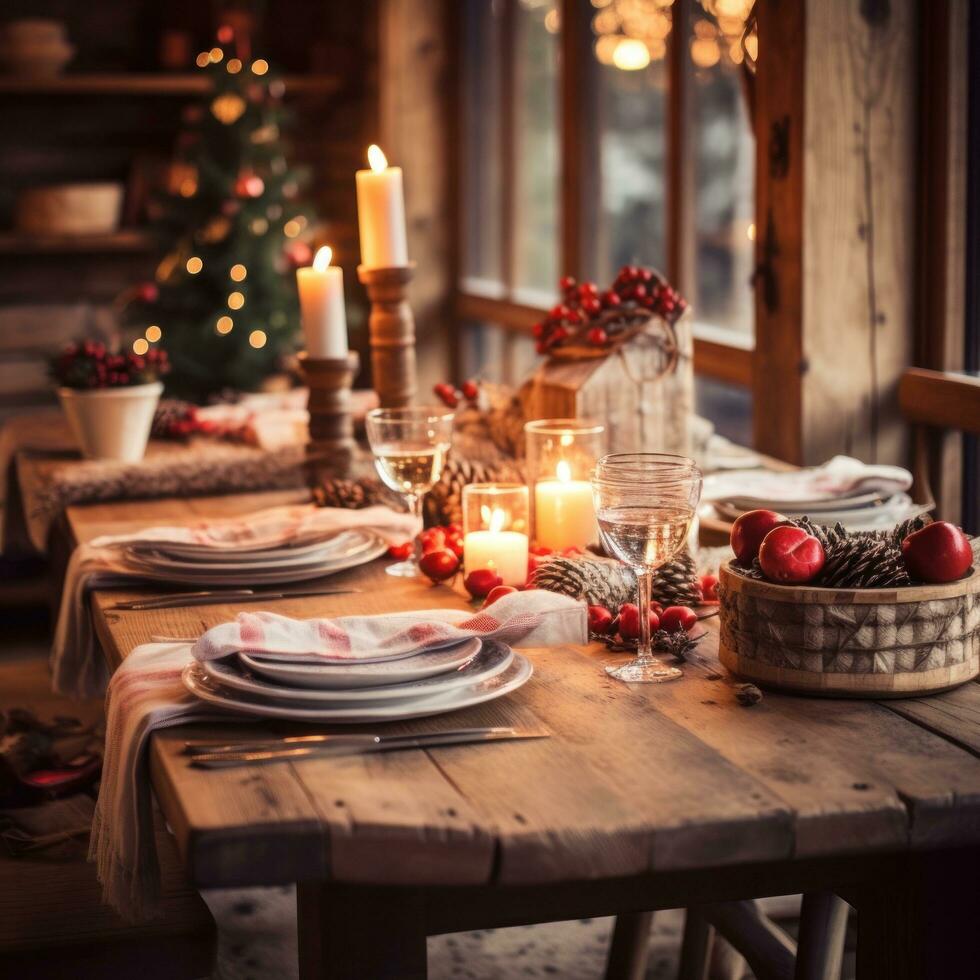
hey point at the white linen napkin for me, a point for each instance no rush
(146, 695)
(77, 665)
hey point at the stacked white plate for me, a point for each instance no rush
(193, 564)
(362, 690)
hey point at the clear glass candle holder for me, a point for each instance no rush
(560, 458)
(496, 521)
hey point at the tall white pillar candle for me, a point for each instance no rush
(321, 301)
(381, 214)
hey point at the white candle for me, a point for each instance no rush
(564, 515)
(381, 213)
(321, 300)
(504, 552)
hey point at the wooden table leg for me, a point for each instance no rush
(823, 926)
(920, 920)
(696, 946)
(350, 933)
(628, 946)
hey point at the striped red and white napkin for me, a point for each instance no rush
(146, 695)
(78, 667)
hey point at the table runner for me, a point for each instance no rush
(146, 695)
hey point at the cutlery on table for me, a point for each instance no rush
(325, 746)
(214, 597)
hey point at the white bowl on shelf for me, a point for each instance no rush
(69, 209)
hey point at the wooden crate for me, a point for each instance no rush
(643, 409)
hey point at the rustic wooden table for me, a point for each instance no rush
(644, 797)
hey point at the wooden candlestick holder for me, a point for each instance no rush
(331, 446)
(392, 332)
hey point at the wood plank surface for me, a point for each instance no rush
(632, 780)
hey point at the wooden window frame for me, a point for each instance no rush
(727, 359)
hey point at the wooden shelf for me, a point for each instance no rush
(127, 240)
(133, 83)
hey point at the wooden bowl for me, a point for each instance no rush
(880, 643)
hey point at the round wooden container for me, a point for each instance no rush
(854, 642)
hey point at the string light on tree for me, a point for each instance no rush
(194, 265)
(215, 55)
(234, 66)
(236, 300)
(140, 346)
(259, 67)
(257, 339)
(224, 324)
(153, 333)
(203, 59)
(238, 272)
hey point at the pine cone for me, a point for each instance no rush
(826, 535)
(858, 562)
(352, 494)
(599, 581)
(444, 502)
(676, 583)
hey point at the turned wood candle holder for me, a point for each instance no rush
(392, 333)
(331, 446)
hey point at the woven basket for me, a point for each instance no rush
(852, 643)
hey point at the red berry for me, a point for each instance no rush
(748, 532)
(939, 552)
(629, 621)
(482, 582)
(557, 336)
(646, 275)
(540, 549)
(497, 592)
(789, 554)
(446, 393)
(591, 306)
(639, 291)
(566, 283)
(610, 298)
(559, 312)
(433, 539)
(470, 390)
(587, 289)
(574, 316)
(454, 542)
(537, 331)
(629, 272)
(597, 336)
(600, 619)
(676, 618)
(439, 565)
(709, 588)
(401, 551)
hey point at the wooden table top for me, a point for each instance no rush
(633, 780)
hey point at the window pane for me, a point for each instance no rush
(729, 407)
(490, 352)
(535, 253)
(724, 164)
(630, 106)
(481, 155)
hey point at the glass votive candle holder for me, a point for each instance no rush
(560, 457)
(495, 529)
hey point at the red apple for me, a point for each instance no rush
(433, 539)
(600, 619)
(439, 565)
(676, 618)
(498, 592)
(401, 551)
(789, 554)
(939, 552)
(482, 582)
(709, 588)
(749, 531)
(629, 621)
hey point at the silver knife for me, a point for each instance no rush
(358, 745)
(217, 597)
(169, 596)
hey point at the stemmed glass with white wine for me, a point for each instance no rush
(645, 503)
(410, 447)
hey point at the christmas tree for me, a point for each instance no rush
(224, 304)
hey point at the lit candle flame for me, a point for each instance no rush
(376, 158)
(497, 520)
(322, 258)
(563, 471)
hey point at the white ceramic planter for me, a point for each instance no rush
(112, 423)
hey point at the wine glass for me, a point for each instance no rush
(410, 447)
(644, 504)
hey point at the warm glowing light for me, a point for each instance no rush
(605, 48)
(497, 520)
(234, 66)
(140, 346)
(552, 21)
(631, 55)
(259, 226)
(188, 187)
(564, 472)
(752, 46)
(291, 228)
(376, 158)
(257, 338)
(224, 324)
(194, 265)
(750, 231)
(238, 272)
(153, 333)
(322, 258)
(705, 52)
(259, 67)
(216, 54)
(203, 60)
(236, 300)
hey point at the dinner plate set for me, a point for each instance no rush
(195, 564)
(362, 689)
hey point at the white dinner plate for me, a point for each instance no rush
(345, 674)
(203, 552)
(516, 675)
(492, 659)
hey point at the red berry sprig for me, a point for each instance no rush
(90, 364)
(451, 396)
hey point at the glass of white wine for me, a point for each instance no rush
(644, 504)
(410, 447)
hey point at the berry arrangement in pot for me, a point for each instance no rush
(109, 397)
(822, 610)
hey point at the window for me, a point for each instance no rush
(652, 161)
